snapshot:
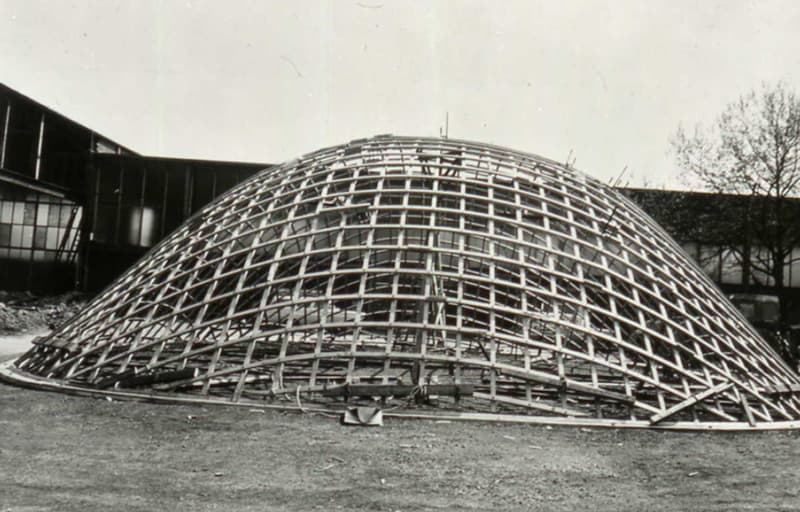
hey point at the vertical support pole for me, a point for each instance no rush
(38, 167)
(89, 225)
(460, 293)
(143, 191)
(492, 296)
(5, 135)
(120, 190)
(188, 185)
(31, 250)
(95, 201)
(418, 370)
(165, 195)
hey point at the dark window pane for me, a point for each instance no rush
(173, 215)
(106, 222)
(40, 238)
(154, 188)
(5, 234)
(203, 189)
(109, 183)
(132, 186)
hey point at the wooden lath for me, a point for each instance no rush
(400, 261)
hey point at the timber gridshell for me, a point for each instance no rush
(424, 262)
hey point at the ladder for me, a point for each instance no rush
(67, 252)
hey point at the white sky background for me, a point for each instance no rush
(269, 81)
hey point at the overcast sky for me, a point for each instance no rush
(268, 81)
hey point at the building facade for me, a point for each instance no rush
(725, 235)
(77, 208)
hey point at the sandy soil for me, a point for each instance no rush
(70, 453)
(18, 343)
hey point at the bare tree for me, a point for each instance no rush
(753, 149)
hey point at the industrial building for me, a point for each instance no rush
(77, 208)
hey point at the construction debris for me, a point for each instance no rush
(363, 417)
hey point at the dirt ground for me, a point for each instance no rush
(70, 453)
(66, 453)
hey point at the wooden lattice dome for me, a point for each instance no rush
(477, 279)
